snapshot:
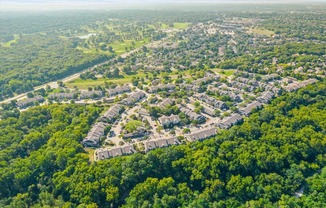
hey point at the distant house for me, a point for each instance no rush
(269, 77)
(244, 86)
(143, 112)
(160, 143)
(191, 87)
(61, 96)
(192, 115)
(90, 94)
(133, 98)
(202, 134)
(29, 101)
(156, 82)
(169, 121)
(119, 90)
(94, 135)
(247, 110)
(265, 97)
(110, 115)
(160, 87)
(247, 81)
(165, 103)
(209, 111)
(234, 97)
(211, 101)
(203, 80)
(141, 132)
(230, 121)
(296, 85)
(149, 145)
(101, 154)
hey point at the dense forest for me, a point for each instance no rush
(263, 162)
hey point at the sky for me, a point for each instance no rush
(105, 4)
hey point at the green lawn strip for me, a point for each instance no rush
(84, 84)
(261, 31)
(8, 44)
(225, 72)
(181, 25)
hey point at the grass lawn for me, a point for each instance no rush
(8, 44)
(90, 154)
(120, 47)
(176, 25)
(84, 84)
(225, 72)
(181, 25)
(132, 125)
(261, 31)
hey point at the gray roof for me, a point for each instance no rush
(192, 115)
(128, 149)
(112, 112)
(94, 135)
(90, 94)
(296, 85)
(167, 120)
(162, 87)
(101, 154)
(165, 103)
(202, 134)
(149, 145)
(61, 95)
(247, 110)
(266, 97)
(229, 121)
(29, 101)
(211, 101)
(133, 98)
(119, 90)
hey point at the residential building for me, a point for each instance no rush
(169, 121)
(133, 98)
(29, 101)
(91, 94)
(119, 90)
(230, 121)
(94, 135)
(202, 134)
(247, 110)
(110, 115)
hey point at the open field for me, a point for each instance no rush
(8, 44)
(84, 84)
(261, 31)
(176, 25)
(120, 47)
(181, 25)
(90, 152)
(225, 72)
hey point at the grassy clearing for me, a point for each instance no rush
(225, 72)
(8, 44)
(181, 25)
(120, 47)
(261, 31)
(176, 25)
(84, 84)
(90, 154)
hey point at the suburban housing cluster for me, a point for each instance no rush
(163, 121)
